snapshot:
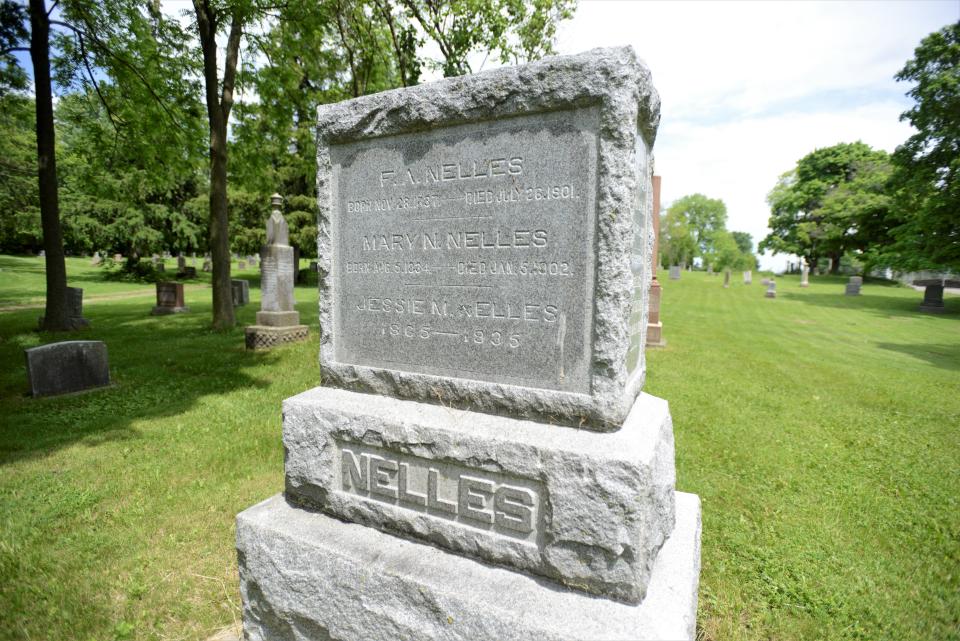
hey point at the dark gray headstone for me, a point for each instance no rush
(241, 292)
(74, 296)
(68, 366)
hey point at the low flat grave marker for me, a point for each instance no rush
(67, 366)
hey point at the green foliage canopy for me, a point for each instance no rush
(834, 201)
(925, 230)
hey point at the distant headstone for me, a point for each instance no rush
(709, 270)
(748, 277)
(771, 289)
(726, 278)
(765, 281)
(118, 257)
(654, 324)
(805, 276)
(169, 299)
(187, 272)
(96, 260)
(241, 291)
(207, 265)
(68, 366)
(674, 272)
(42, 254)
(933, 293)
(75, 319)
(181, 263)
(278, 321)
(241, 264)
(853, 287)
(313, 265)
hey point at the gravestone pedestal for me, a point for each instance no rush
(309, 576)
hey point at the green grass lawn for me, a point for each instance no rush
(822, 433)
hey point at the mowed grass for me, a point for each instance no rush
(820, 431)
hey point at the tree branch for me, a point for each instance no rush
(230, 65)
(6, 52)
(93, 81)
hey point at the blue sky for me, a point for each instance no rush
(748, 88)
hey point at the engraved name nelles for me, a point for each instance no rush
(452, 240)
(444, 490)
(451, 171)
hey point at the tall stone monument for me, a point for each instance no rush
(804, 275)
(480, 463)
(278, 320)
(654, 324)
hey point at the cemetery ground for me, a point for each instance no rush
(820, 431)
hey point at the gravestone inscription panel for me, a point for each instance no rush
(470, 250)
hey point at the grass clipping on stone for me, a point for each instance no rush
(820, 431)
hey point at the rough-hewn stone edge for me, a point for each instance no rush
(635, 466)
(307, 574)
(621, 85)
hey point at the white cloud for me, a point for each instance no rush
(749, 88)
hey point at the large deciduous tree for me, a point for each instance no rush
(834, 201)
(925, 227)
(704, 218)
(211, 18)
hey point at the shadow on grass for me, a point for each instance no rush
(160, 367)
(876, 302)
(942, 355)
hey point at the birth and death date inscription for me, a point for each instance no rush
(468, 251)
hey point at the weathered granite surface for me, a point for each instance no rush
(309, 576)
(67, 366)
(484, 241)
(588, 510)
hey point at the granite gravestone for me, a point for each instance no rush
(278, 321)
(771, 288)
(476, 294)
(726, 278)
(241, 291)
(853, 286)
(169, 299)
(748, 277)
(75, 319)
(96, 260)
(68, 366)
(805, 276)
(674, 272)
(933, 293)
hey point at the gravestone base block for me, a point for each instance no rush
(655, 335)
(260, 337)
(278, 319)
(595, 508)
(933, 309)
(162, 310)
(304, 575)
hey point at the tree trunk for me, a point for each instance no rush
(834, 264)
(223, 316)
(219, 102)
(55, 315)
